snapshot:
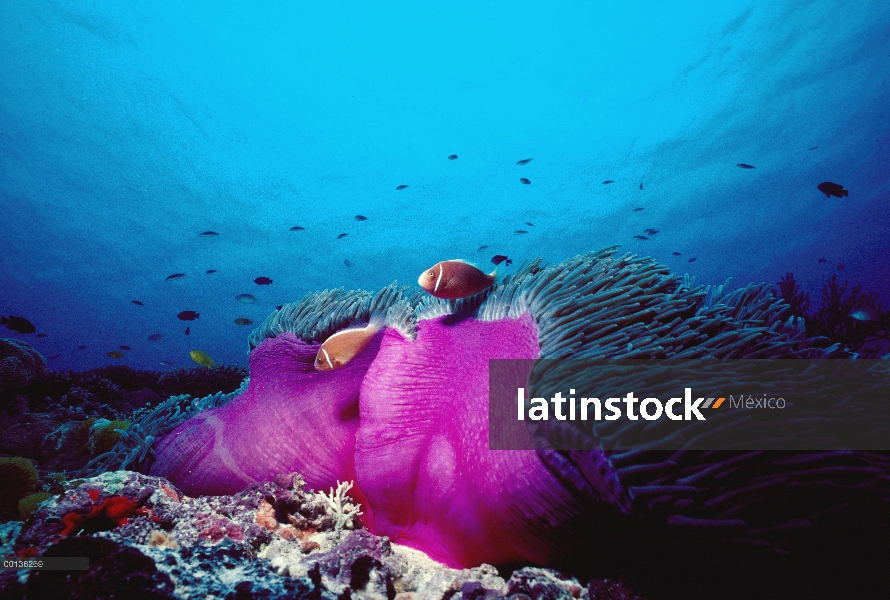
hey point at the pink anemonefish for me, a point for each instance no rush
(453, 279)
(343, 346)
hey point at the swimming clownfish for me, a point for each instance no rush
(343, 346)
(453, 279)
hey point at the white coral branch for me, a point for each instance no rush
(341, 505)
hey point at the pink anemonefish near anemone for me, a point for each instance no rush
(343, 346)
(453, 279)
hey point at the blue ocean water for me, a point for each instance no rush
(128, 128)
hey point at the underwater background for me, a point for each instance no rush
(128, 129)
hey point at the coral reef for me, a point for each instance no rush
(19, 479)
(834, 319)
(272, 540)
(20, 366)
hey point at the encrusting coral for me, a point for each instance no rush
(20, 366)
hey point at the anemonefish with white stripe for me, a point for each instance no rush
(453, 279)
(343, 346)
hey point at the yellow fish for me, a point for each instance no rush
(201, 358)
(343, 346)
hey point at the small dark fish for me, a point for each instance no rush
(188, 330)
(452, 157)
(524, 161)
(813, 148)
(638, 209)
(832, 189)
(691, 260)
(115, 354)
(822, 260)
(361, 218)
(651, 231)
(481, 248)
(243, 321)
(279, 307)
(166, 363)
(841, 267)
(520, 232)
(676, 253)
(500, 258)
(42, 335)
(55, 357)
(188, 315)
(342, 235)
(262, 281)
(744, 166)
(18, 324)
(640, 237)
(608, 181)
(524, 180)
(137, 303)
(208, 234)
(347, 262)
(209, 271)
(529, 224)
(402, 187)
(124, 347)
(641, 185)
(297, 228)
(155, 337)
(175, 276)
(81, 347)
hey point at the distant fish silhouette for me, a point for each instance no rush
(402, 187)
(452, 157)
(520, 232)
(279, 307)
(525, 181)
(55, 357)
(18, 324)
(188, 315)
(822, 260)
(500, 258)
(82, 347)
(208, 234)
(638, 209)
(361, 218)
(41, 335)
(651, 231)
(115, 354)
(155, 337)
(529, 224)
(208, 271)
(347, 262)
(813, 148)
(124, 347)
(744, 166)
(641, 185)
(676, 253)
(297, 228)
(608, 181)
(243, 321)
(166, 363)
(640, 237)
(832, 189)
(188, 330)
(691, 260)
(342, 235)
(137, 303)
(481, 248)
(262, 281)
(175, 276)
(245, 298)
(524, 161)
